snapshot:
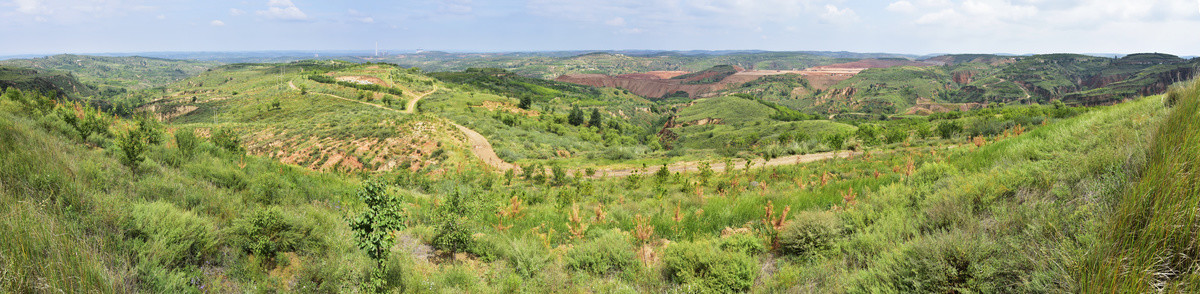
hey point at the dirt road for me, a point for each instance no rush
(412, 103)
(482, 148)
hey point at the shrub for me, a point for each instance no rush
(453, 235)
(868, 133)
(527, 257)
(948, 129)
(266, 232)
(132, 145)
(836, 141)
(269, 189)
(607, 253)
(895, 135)
(172, 237)
(931, 172)
(809, 233)
(226, 139)
(744, 243)
(946, 264)
(186, 141)
(701, 265)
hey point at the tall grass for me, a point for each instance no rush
(1151, 242)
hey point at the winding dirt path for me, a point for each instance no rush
(482, 148)
(412, 103)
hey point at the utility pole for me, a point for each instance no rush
(376, 49)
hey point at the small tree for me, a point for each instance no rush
(597, 121)
(186, 141)
(576, 117)
(373, 228)
(133, 144)
(526, 103)
(948, 129)
(303, 90)
(226, 139)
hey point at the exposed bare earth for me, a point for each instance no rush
(482, 148)
(657, 84)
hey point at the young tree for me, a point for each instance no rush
(186, 141)
(526, 103)
(948, 129)
(597, 121)
(133, 144)
(576, 116)
(373, 227)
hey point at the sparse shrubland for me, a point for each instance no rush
(1005, 198)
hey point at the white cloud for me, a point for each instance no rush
(359, 16)
(459, 7)
(161, 17)
(236, 12)
(616, 21)
(836, 15)
(282, 10)
(902, 6)
(697, 15)
(217, 23)
(32, 7)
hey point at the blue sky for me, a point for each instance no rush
(899, 26)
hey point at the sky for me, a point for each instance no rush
(894, 26)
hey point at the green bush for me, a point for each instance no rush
(702, 266)
(171, 237)
(527, 257)
(226, 139)
(744, 243)
(607, 253)
(952, 263)
(895, 135)
(809, 233)
(186, 141)
(270, 189)
(932, 172)
(266, 232)
(868, 133)
(948, 129)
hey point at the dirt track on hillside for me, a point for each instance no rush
(482, 148)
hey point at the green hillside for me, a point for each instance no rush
(131, 73)
(1017, 211)
(46, 81)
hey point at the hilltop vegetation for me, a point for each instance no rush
(973, 81)
(550, 66)
(115, 73)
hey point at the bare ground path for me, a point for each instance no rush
(482, 148)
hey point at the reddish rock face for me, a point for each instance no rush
(964, 77)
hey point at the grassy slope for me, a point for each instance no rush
(44, 80)
(1149, 244)
(314, 130)
(74, 219)
(518, 135)
(741, 118)
(1019, 214)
